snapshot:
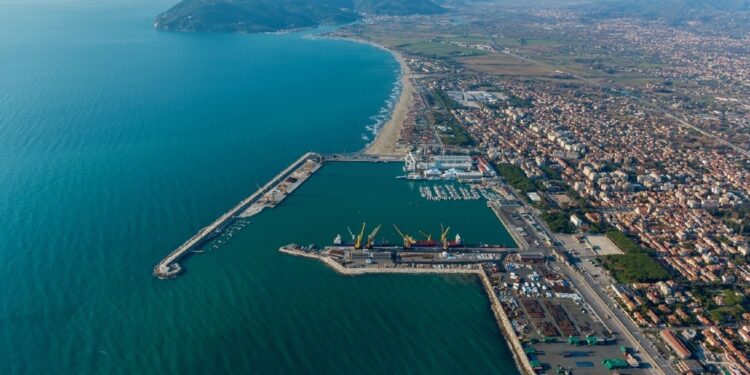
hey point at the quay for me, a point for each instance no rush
(269, 195)
(509, 226)
(360, 157)
(435, 249)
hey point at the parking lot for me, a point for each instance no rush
(556, 325)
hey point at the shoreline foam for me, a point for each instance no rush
(388, 134)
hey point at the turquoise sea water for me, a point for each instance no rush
(118, 142)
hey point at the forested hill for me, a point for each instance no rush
(275, 15)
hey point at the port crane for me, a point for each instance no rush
(351, 233)
(371, 237)
(360, 236)
(426, 236)
(408, 240)
(444, 236)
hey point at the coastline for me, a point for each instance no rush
(388, 134)
(386, 138)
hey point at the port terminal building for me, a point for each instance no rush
(447, 167)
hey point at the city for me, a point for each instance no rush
(437, 187)
(629, 129)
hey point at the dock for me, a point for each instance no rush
(512, 230)
(269, 195)
(360, 157)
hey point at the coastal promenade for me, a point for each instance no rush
(519, 355)
(168, 267)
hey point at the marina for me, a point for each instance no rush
(291, 178)
(457, 192)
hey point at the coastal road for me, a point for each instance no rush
(600, 302)
(617, 319)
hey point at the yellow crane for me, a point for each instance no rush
(371, 237)
(408, 240)
(426, 236)
(360, 236)
(444, 236)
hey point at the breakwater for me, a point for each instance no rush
(269, 195)
(519, 355)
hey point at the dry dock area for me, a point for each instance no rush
(269, 195)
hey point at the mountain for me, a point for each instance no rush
(275, 15)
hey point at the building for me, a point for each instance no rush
(677, 346)
(690, 366)
(576, 220)
(447, 167)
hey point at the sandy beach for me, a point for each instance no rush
(387, 136)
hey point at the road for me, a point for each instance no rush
(600, 302)
(622, 324)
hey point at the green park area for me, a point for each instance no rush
(637, 264)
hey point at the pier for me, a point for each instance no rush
(269, 195)
(509, 226)
(360, 157)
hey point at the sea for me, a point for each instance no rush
(119, 142)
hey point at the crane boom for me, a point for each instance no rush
(427, 236)
(408, 240)
(371, 237)
(360, 236)
(399, 231)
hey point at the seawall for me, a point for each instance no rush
(519, 355)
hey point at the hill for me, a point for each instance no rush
(275, 15)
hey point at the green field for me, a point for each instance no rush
(465, 38)
(515, 176)
(537, 42)
(438, 49)
(636, 265)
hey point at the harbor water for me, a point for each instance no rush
(118, 142)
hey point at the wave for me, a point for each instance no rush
(386, 111)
